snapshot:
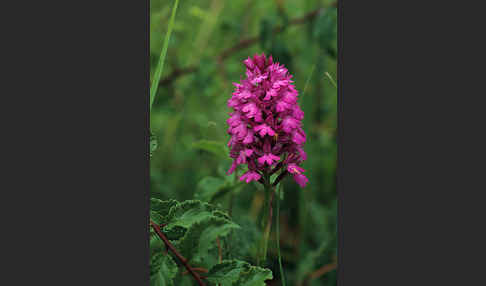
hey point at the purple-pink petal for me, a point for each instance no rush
(297, 137)
(301, 180)
(294, 169)
(264, 129)
(250, 176)
(289, 123)
(268, 158)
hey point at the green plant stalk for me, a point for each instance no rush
(266, 219)
(230, 208)
(277, 226)
(160, 66)
(232, 194)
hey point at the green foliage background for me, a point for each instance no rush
(189, 115)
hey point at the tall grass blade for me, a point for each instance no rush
(330, 78)
(160, 66)
(282, 276)
(308, 79)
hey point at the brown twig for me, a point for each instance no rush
(319, 272)
(176, 253)
(323, 270)
(250, 41)
(245, 43)
(177, 73)
(198, 269)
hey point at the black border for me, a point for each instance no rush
(81, 149)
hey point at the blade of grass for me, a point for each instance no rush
(308, 79)
(282, 276)
(330, 78)
(160, 66)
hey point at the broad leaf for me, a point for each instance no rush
(218, 148)
(238, 273)
(162, 207)
(201, 238)
(211, 188)
(178, 217)
(162, 270)
(159, 209)
(190, 212)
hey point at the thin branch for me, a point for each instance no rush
(176, 253)
(323, 270)
(177, 73)
(319, 272)
(245, 43)
(250, 41)
(198, 269)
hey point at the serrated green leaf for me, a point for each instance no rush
(243, 241)
(237, 272)
(162, 207)
(156, 245)
(201, 238)
(178, 217)
(189, 212)
(163, 269)
(159, 209)
(217, 148)
(156, 217)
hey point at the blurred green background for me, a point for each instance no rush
(210, 40)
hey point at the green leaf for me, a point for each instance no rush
(162, 207)
(155, 244)
(156, 217)
(237, 272)
(212, 188)
(201, 238)
(162, 270)
(242, 243)
(189, 212)
(159, 209)
(208, 187)
(179, 217)
(218, 148)
(183, 215)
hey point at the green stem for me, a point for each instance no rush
(232, 194)
(266, 220)
(282, 276)
(230, 208)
